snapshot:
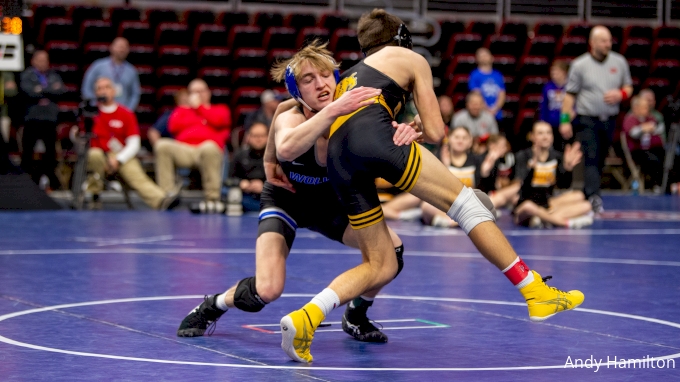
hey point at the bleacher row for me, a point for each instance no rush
(232, 51)
(524, 57)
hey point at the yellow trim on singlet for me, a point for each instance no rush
(341, 120)
(413, 166)
(366, 219)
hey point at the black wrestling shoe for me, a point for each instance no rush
(362, 329)
(201, 318)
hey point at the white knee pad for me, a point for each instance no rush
(468, 211)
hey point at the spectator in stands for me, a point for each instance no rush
(264, 114)
(42, 87)
(539, 169)
(124, 75)
(11, 90)
(201, 131)
(597, 83)
(115, 143)
(479, 122)
(553, 95)
(446, 108)
(644, 136)
(248, 166)
(160, 128)
(488, 82)
(649, 95)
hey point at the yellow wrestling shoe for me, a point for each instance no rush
(545, 301)
(297, 332)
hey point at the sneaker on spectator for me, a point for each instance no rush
(596, 202)
(208, 207)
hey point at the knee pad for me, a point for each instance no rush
(468, 211)
(486, 201)
(400, 259)
(246, 297)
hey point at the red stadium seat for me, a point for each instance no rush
(242, 36)
(461, 64)
(541, 46)
(173, 34)
(299, 21)
(505, 64)
(276, 55)
(136, 32)
(660, 86)
(221, 96)
(638, 68)
(250, 58)
(533, 84)
(216, 77)
(554, 29)
(666, 48)
(147, 75)
(458, 84)
(519, 30)
(530, 101)
(266, 20)
(157, 16)
(348, 59)
(194, 18)
(246, 96)
(57, 29)
(482, 28)
(229, 19)
(638, 31)
(533, 65)
(448, 30)
(119, 14)
(212, 35)
(523, 125)
(579, 30)
(41, 12)
(636, 48)
(69, 73)
(63, 52)
(307, 35)
(572, 46)
(505, 45)
(241, 112)
(96, 31)
(333, 21)
(148, 95)
(665, 68)
(214, 57)
(249, 77)
(142, 55)
(175, 55)
(344, 39)
(165, 96)
(463, 43)
(280, 38)
(80, 14)
(173, 76)
(667, 31)
(511, 103)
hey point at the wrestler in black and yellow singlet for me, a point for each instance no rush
(361, 147)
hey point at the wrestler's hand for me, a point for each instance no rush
(353, 100)
(405, 134)
(276, 176)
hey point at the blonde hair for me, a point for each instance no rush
(315, 53)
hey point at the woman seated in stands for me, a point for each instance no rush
(538, 170)
(645, 139)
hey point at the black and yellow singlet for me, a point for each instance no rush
(361, 147)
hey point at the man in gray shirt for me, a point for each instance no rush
(124, 75)
(598, 82)
(479, 122)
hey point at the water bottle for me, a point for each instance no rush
(636, 187)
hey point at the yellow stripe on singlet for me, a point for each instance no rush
(413, 166)
(341, 120)
(366, 219)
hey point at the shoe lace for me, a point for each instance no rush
(546, 278)
(200, 318)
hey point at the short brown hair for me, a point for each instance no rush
(562, 65)
(377, 27)
(317, 55)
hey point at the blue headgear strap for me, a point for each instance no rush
(292, 87)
